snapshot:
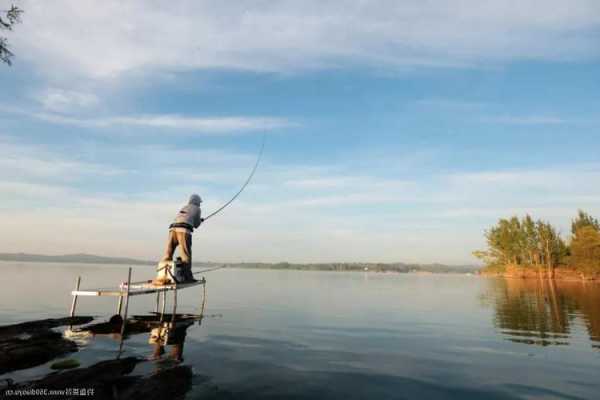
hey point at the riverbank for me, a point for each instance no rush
(559, 273)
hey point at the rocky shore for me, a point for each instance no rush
(110, 379)
(35, 343)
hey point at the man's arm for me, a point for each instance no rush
(198, 218)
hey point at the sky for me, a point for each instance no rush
(396, 131)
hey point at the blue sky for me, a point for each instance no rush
(396, 131)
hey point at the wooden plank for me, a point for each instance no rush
(171, 286)
(95, 293)
(137, 290)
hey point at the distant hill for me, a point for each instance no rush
(371, 267)
(72, 258)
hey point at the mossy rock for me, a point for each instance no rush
(68, 363)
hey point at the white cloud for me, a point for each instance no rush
(58, 100)
(526, 120)
(204, 125)
(19, 191)
(570, 178)
(289, 212)
(451, 104)
(30, 162)
(332, 182)
(497, 212)
(215, 125)
(111, 37)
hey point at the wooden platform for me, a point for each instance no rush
(129, 288)
(136, 289)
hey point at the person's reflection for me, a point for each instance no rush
(162, 334)
(169, 334)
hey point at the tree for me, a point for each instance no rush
(523, 242)
(585, 242)
(531, 238)
(11, 17)
(552, 247)
(584, 219)
(585, 249)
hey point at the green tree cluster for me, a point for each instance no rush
(585, 243)
(523, 242)
(529, 243)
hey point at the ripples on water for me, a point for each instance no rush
(307, 335)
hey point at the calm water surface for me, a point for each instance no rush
(293, 334)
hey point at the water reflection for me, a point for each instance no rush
(163, 332)
(169, 334)
(545, 312)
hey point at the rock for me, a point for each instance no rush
(42, 324)
(111, 380)
(171, 383)
(68, 363)
(32, 343)
(38, 348)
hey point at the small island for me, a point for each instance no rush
(528, 248)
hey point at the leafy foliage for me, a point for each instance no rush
(523, 242)
(537, 244)
(585, 243)
(584, 220)
(11, 18)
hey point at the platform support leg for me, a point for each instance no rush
(120, 305)
(125, 312)
(164, 304)
(157, 301)
(74, 303)
(203, 299)
(174, 305)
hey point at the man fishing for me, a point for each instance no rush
(180, 234)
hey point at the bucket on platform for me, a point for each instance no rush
(179, 270)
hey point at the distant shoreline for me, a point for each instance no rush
(339, 267)
(71, 258)
(562, 273)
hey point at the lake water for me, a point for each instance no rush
(306, 335)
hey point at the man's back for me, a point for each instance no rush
(190, 214)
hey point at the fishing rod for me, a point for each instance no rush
(208, 270)
(262, 147)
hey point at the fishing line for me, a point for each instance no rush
(262, 147)
(208, 270)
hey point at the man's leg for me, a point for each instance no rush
(185, 246)
(171, 246)
(185, 250)
(163, 275)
